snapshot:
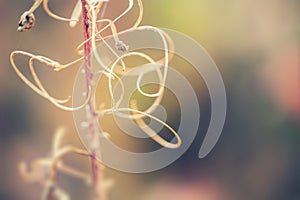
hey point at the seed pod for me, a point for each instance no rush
(26, 21)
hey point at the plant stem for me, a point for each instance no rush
(91, 111)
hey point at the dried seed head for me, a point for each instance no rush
(26, 21)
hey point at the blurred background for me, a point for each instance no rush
(256, 45)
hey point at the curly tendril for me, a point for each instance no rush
(38, 87)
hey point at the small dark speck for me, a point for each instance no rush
(27, 17)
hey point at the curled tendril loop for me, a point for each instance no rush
(38, 87)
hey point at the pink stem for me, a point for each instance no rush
(92, 118)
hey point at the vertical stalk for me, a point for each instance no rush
(91, 111)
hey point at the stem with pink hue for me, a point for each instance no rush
(91, 115)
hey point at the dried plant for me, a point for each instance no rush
(44, 170)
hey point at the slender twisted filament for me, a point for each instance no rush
(38, 87)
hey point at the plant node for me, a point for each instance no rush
(121, 46)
